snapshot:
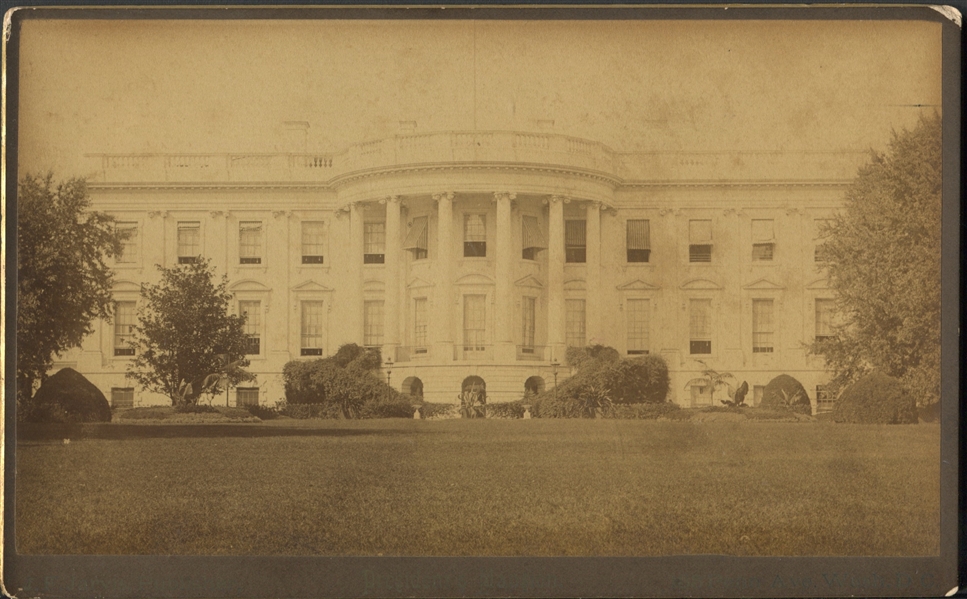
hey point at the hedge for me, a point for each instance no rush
(643, 411)
(876, 399)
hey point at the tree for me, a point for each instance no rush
(883, 257)
(63, 282)
(185, 334)
(714, 379)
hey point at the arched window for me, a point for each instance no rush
(413, 386)
(475, 383)
(533, 385)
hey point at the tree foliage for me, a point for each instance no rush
(184, 334)
(883, 257)
(63, 282)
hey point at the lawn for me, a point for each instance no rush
(479, 487)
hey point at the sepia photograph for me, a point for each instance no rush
(431, 285)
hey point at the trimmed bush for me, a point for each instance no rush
(876, 399)
(190, 408)
(345, 383)
(583, 357)
(643, 411)
(262, 412)
(636, 380)
(786, 393)
(68, 396)
(508, 410)
(439, 411)
(400, 407)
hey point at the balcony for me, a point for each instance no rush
(406, 353)
(530, 352)
(474, 352)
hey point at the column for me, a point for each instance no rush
(593, 273)
(391, 299)
(442, 297)
(354, 297)
(504, 350)
(555, 278)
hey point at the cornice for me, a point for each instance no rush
(550, 169)
(208, 186)
(734, 183)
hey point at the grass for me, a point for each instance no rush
(479, 487)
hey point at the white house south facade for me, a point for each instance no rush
(486, 254)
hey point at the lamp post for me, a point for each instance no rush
(389, 373)
(554, 365)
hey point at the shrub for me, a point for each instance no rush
(68, 396)
(930, 412)
(876, 399)
(577, 397)
(637, 380)
(345, 389)
(262, 412)
(399, 407)
(191, 408)
(302, 411)
(643, 411)
(591, 356)
(786, 393)
(510, 409)
(439, 411)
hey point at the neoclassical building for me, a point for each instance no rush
(482, 255)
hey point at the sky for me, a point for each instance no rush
(229, 86)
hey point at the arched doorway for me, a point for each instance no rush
(477, 384)
(533, 385)
(413, 386)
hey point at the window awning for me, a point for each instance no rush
(416, 239)
(532, 234)
(639, 235)
(574, 233)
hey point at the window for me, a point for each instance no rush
(574, 326)
(824, 399)
(528, 324)
(701, 395)
(700, 326)
(373, 323)
(575, 241)
(311, 330)
(419, 325)
(474, 235)
(474, 323)
(824, 319)
(122, 397)
(416, 239)
(763, 240)
(532, 240)
(189, 242)
(247, 396)
(819, 225)
(250, 242)
(638, 240)
(124, 320)
(763, 326)
(129, 243)
(637, 313)
(699, 241)
(252, 312)
(374, 243)
(313, 242)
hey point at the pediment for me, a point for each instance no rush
(474, 279)
(311, 286)
(637, 285)
(763, 285)
(248, 285)
(529, 281)
(125, 287)
(700, 284)
(419, 283)
(374, 285)
(575, 285)
(822, 283)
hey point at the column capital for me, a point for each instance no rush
(504, 195)
(281, 213)
(555, 199)
(443, 195)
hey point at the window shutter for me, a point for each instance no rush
(574, 233)
(532, 234)
(639, 235)
(416, 239)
